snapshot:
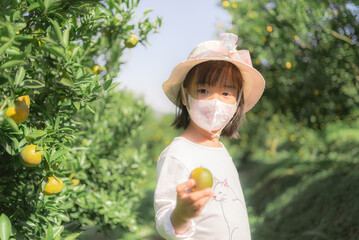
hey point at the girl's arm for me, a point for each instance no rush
(170, 173)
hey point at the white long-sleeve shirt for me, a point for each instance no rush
(224, 216)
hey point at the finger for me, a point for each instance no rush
(201, 204)
(203, 201)
(183, 187)
(195, 196)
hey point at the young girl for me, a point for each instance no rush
(213, 90)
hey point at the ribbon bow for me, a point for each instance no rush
(225, 48)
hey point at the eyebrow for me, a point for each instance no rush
(225, 86)
(230, 86)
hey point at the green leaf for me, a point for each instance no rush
(33, 84)
(4, 47)
(22, 37)
(72, 236)
(107, 84)
(11, 64)
(57, 122)
(147, 11)
(97, 11)
(57, 30)
(20, 74)
(47, 4)
(113, 86)
(36, 134)
(63, 217)
(94, 82)
(19, 26)
(57, 51)
(58, 230)
(16, 15)
(5, 227)
(65, 37)
(58, 154)
(3, 80)
(10, 30)
(75, 50)
(32, 7)
(90, 109)
(49, 233)
(77, 105)
(67, 82)
(12, 52)
(49, 40)
(12, 124)
(130, 27)
(22, 143)
(28, 49)
(8, 148)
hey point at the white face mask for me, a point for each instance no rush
(210, 115)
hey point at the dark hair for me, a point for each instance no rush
(212, 72)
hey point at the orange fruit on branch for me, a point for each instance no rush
(19, 112)
(25, 99)
(53, 186)
(203, 178)
(96, 69)
(30, 157)
(132, 41)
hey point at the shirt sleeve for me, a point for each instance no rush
(170, 173)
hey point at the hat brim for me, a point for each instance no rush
(253, 81)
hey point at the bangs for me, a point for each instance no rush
(215, 73)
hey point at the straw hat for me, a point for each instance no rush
(224, 50)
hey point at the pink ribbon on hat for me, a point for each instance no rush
(229, 42)
(226, 49)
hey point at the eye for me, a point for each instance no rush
(202, 91)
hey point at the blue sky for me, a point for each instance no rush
(185, 24)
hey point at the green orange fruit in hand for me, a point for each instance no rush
(30, 157)
(53, 186)
(203, 178)
(19, 112)
(132, 41)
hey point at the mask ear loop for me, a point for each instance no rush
(217, 134)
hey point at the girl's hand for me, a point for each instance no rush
(189, 205)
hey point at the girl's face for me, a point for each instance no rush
(225, 91)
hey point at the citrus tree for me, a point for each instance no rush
(56, 57)
(108, 165)
(298, 151)
(308, 52)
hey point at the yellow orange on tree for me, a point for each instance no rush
(132, 41)
(53, 185)
(19, 112)
(25, 99)
(30, 157)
